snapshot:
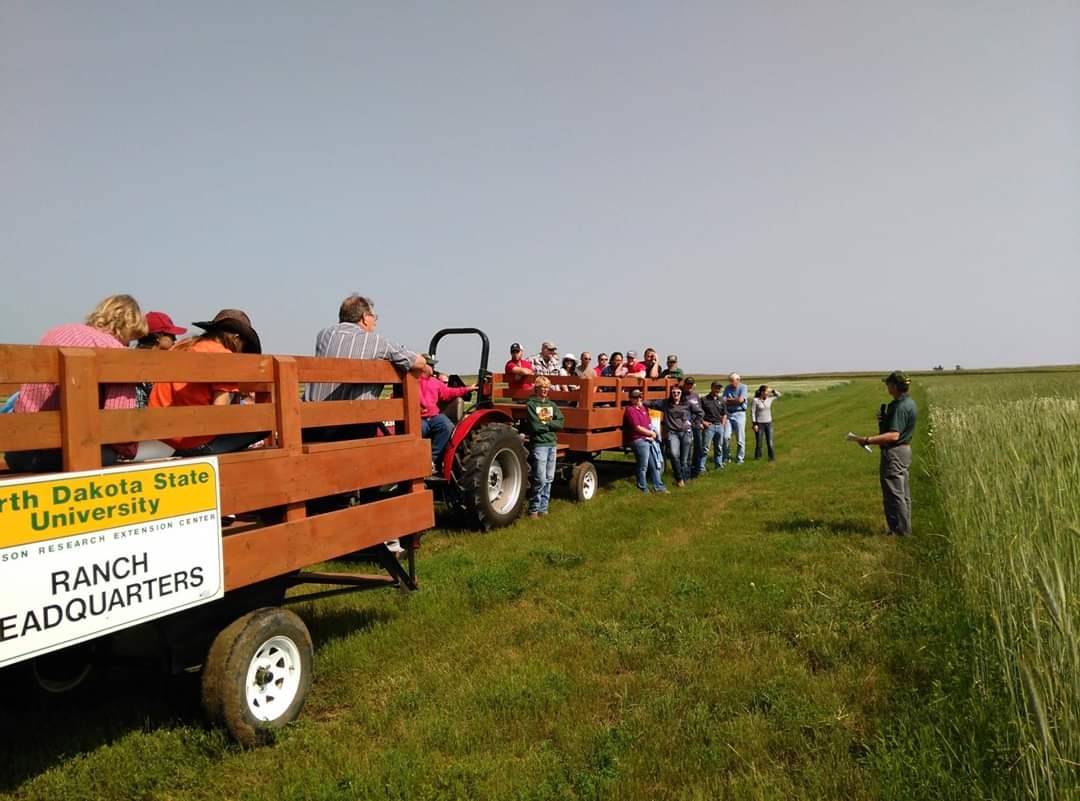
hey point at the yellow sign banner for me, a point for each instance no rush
(38, 509)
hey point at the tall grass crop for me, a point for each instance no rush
(1007, 463)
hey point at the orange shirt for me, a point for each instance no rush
(190, 393)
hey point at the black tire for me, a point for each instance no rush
(67, 672)
(258, 674)
(584, 482)
(490, 477)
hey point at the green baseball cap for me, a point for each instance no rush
(897, 377)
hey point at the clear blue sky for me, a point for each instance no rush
(763, 187)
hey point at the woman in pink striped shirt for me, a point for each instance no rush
(113, 323)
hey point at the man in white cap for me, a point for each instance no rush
(735, 399)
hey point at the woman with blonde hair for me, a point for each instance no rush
(113, 323)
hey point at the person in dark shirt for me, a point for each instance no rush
(679, 420)
(715, 422)
(896, 427)
(696, 466)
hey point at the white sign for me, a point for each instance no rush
(85, 554)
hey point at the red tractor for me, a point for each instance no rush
(484, 474)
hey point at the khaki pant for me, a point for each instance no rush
(896, 487)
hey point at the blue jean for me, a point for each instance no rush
(679, 445)
(764, 430)
(223, 443)
(647, 465)
(697, 460)
(737, 421)
(49, 461)
(543, 467)
(438, 429)
(712, 436)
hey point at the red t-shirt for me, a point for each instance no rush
(519, 386)
(166, 394)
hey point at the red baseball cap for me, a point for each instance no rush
(161, 323)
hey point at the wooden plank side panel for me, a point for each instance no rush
(27, 364)
(276, 550)
(589, 419)
(411, 398)
(133, 366)
(346, 371)
(25, 432)
(130, 425)
(287, 404)
(335, 413)
(80, 421)
(257, 483)
(592, 441)
(593, 392)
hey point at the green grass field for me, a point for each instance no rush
(753, 636)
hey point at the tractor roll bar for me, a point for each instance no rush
(485, 349)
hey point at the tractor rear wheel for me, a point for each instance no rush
(490, 476)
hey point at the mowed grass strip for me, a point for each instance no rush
(735, 639)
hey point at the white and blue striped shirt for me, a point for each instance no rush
(350, 341)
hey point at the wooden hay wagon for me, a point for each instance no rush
(593, 412)
(289, 505)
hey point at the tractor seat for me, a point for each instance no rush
(454, 409)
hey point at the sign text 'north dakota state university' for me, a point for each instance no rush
(83, 554)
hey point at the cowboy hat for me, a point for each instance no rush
(238, 323)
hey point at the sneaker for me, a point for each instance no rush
(660, 489)
(534, 515)
(394, 546)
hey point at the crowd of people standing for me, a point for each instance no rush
(690, 424)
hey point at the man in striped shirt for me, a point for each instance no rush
(546, 362)
(354, 337)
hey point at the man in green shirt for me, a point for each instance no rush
(673, 370)
(896, 426)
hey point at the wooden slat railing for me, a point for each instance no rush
(593, 412)
(274, 481)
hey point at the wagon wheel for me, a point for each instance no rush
(258, 674)
(490, 476)
(68, 670)
(583, 481)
